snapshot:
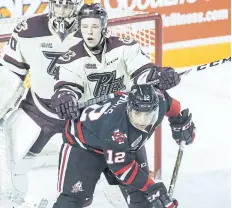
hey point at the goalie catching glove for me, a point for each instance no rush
(158, 197)
(65, 105)
(162, 78)
(183, 129)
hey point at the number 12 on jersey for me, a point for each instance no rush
(115, 157)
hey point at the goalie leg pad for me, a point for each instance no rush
(11, 91)
(22, 132)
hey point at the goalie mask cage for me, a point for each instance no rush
(146, 28)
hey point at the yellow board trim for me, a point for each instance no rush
(196, 55)
(89, 1)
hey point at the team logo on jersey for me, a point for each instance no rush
(119, 137)
(21, 26)
(77, 187)
(106, 83)
(126, 40)
(68, 55)
(53, 56)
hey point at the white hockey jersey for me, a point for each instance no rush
(35, 47)
(89, 77)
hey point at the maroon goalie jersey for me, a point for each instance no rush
(105, 128)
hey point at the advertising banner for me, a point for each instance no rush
(17, 8)
(183, 19)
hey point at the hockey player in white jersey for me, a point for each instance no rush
(34, 48)
(100, 65)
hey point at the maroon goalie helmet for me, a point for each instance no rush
(143, 106)
(63, 13)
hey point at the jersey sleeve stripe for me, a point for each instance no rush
(63, 166)
(98, 151)
(80, 133)
(67, 130)
(141, 69)
(14, 62)
(60, 84)
(133, 175)
(174, 109)
(124, 169)
(147, 184)
(22, 77)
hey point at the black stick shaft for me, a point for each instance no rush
(176, 169)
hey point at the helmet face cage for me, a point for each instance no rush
(94, 11)
(143, 106)
(63, 13)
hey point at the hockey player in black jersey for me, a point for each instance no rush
(108, 135)
(100, 65)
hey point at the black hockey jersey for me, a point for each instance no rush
(105, 128)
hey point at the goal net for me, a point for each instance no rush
(146, 28)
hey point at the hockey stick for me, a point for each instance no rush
(176, 169)
(96, 100)
(205, 66)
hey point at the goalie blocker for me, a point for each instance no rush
(107, 137)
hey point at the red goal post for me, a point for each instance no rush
(146, 28)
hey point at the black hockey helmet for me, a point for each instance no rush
(143, 106)
(94, 11)
(143, 98)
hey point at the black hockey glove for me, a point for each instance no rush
(158, 197)
(183, 129)
(167, 77)
(65, 105)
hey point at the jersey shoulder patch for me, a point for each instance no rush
(75, 52)
(33, 27)
(115, 42)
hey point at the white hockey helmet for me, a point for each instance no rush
(64, 13)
